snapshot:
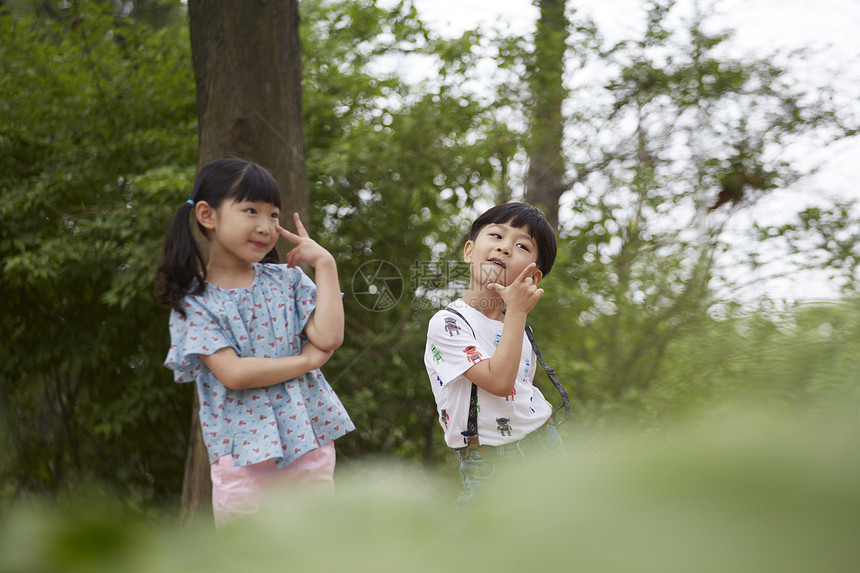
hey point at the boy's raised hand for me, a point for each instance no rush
(522, 294)
(306, 250)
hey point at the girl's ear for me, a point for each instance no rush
(205, 214)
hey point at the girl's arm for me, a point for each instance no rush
(325, 325)
(251, 372)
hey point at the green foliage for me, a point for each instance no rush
(97, 150)
(748, 492)
(97, 112)
(676, 122)
(826, 240)
(390, 166)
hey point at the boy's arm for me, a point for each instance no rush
(252, 372)
(325, 325)
(499, 374)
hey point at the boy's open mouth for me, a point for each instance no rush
(497, 262)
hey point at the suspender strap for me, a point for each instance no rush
(565, 400)
(449, 309)
(471, 432)
(472, 422)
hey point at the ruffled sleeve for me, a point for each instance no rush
(199, 332)
(305, 293)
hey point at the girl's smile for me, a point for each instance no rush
(242, 232)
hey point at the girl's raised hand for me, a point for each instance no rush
(306, 250)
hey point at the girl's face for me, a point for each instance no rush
(243, 230)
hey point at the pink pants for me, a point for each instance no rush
(240, 490)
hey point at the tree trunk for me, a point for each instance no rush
(196, 483)
(545, 181)
(247, 66)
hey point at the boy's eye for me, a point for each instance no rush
(251, 210)
(275, 215)
(523, 247)
(496, 235)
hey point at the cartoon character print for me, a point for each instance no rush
(443, 415)
(503, 426)
(472, 354)
(437, 355)
(451, 327)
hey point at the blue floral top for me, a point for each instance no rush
(282, 421)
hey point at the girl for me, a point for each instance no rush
(253, 336)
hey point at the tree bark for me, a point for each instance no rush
(545, 180)
(196, 483)
(247, 66)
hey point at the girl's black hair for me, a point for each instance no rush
(183, 267)
(522, 215)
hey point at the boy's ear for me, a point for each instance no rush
(537, 276)
(205, 214)
(467, 251)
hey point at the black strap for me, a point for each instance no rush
(472, 422)
(565, 400)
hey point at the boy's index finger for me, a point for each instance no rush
(526, 273)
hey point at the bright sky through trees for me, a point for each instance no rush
(827, 27)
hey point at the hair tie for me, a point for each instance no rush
(190, 202)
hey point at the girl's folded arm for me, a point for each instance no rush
(240, 373)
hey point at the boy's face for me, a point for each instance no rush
(499, 254)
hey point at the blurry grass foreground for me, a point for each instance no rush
(751, 493)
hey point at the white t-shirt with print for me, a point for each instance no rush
(451, 350)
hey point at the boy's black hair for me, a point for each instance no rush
(522, 215)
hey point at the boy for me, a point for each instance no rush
(477, 356)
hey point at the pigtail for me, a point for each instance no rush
(182, 269)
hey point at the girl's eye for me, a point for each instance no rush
(523, 247)
(275, 215)
(495, 235)
(251, 211)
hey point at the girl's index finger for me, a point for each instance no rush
(300, 229)
(287, 234)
